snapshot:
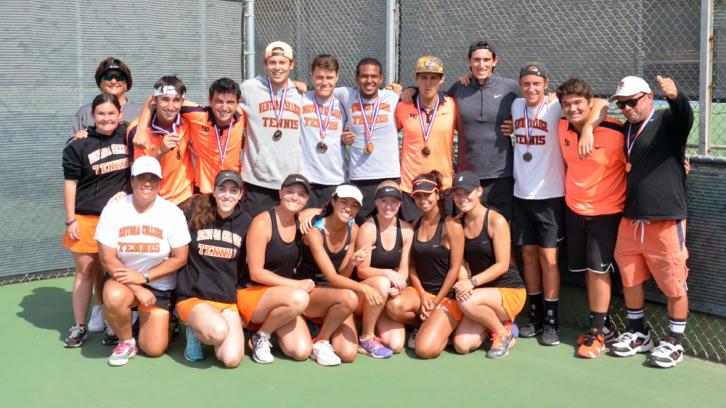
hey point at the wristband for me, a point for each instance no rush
(147, 276)
(473, 282)
(69, 223)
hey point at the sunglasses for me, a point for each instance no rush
(109, 77)
(629, 102)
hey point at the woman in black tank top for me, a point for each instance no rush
(329, 260)
(494, 294)
(386, 269)
(437, 251)
(270, 297)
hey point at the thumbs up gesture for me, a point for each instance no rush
(667, 86)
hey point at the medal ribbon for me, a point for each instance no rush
(273, 99)
(425, 130)
(223, 153)
(160, 130)
(637, 135)
(323, 126)
(374, 115)
(527, 129)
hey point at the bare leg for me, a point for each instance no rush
(153, 331)
(87, 266)
(118, 300)
(434, 334)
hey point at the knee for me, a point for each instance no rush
(113, 297)
(348, 299)
(300, 353)
(464, 346)
(217, 333)
(232, 361)
(153, 350)
(299, 300)
(426, 352)
(381, 283)
(394, 307)
(348, 356)
(396, 345)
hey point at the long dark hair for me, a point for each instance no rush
(202, 210)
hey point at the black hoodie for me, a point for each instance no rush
(100, 164)
(217, 258)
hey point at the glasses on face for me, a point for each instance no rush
(629, 102)
(108, 76)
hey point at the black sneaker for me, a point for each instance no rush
(78, 335)
(109, 337)
(610, 332)
(530, 330)
(174, 329)
(550, 336)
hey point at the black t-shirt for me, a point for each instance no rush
(655, 188)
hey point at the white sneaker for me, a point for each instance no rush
(324, 354)
(96, 324)
(666, 355)
(630, 343)
(411, 343)
(122, 353)
(261, 349)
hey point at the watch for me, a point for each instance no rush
(147, 276)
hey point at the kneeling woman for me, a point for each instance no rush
(437, 251)
(143, 241)
(328, 259)
(207, 286)
(270, 299)
(495, 294)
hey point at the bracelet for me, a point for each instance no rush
(473, 282)
(71, 222)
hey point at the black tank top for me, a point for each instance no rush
(309, 268)
(431, 259)
(479, 254)
(282, 257)
(380, 258)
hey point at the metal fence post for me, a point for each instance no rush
(250, 40)
(391, 43)
(705, 88)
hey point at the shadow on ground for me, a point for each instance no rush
(48, 308)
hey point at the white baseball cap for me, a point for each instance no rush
(631, 85)
(285, 50)
(349, 191)
(146, 164)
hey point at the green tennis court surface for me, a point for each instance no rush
(37, 371)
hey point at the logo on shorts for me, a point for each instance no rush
(567, 142)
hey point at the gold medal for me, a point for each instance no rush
(277, 135)
(426, 151)
(369, 148)
(321, 147)
(527, 156)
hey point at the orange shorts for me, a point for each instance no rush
(450, 306)
(86, 244)
(184, 308)
(247, 300)
(513, 300)
(653, 248)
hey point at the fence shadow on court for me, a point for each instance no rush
(48, 308)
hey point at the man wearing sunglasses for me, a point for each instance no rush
(652, 233)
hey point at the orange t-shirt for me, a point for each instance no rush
(207, 141)
(595, 185)
(440, 142)
(176, 165)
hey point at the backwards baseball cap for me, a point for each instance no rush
(146, 164)
(631, 85)
(227, 175)
(278, 48)
(482, 44)
(349, 191)
(423, 186)
(533, 68)
(430, 64)
(296, 179)
(466, 180)
(388, 191)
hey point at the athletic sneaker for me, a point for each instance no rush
(530, 330)
(667, 354)
(631, 343)
(501, 343)
(411, 343)
(174, 327)
(591, 346)
(512, 328)
(610, 333)
(96, 324)
(122, 353)
(109, 338)
(324, 354)
(78, 335)
(193, 350)
(374, 347)
(550, 336)
(261, 347)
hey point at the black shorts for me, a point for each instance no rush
(591, 241)
(320, 195)
(165, 299)
(498, 195)
(538, 222)
(259, 199)
(409, 212)
(368, 188)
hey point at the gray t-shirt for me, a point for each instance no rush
(483, 148)
(84, 118)
(266, 161)
(323, 167)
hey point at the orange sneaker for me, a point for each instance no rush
(590, 346)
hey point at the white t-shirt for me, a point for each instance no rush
(383, 162)
(543, 176)
(327, 167)
(144, 240)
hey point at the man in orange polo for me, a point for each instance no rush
(594, 197)
(428, 124)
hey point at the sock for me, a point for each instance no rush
(131, 342)
(636, 319)
(535, 308)
(677, 328)
(551, 315)
(597, 322)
